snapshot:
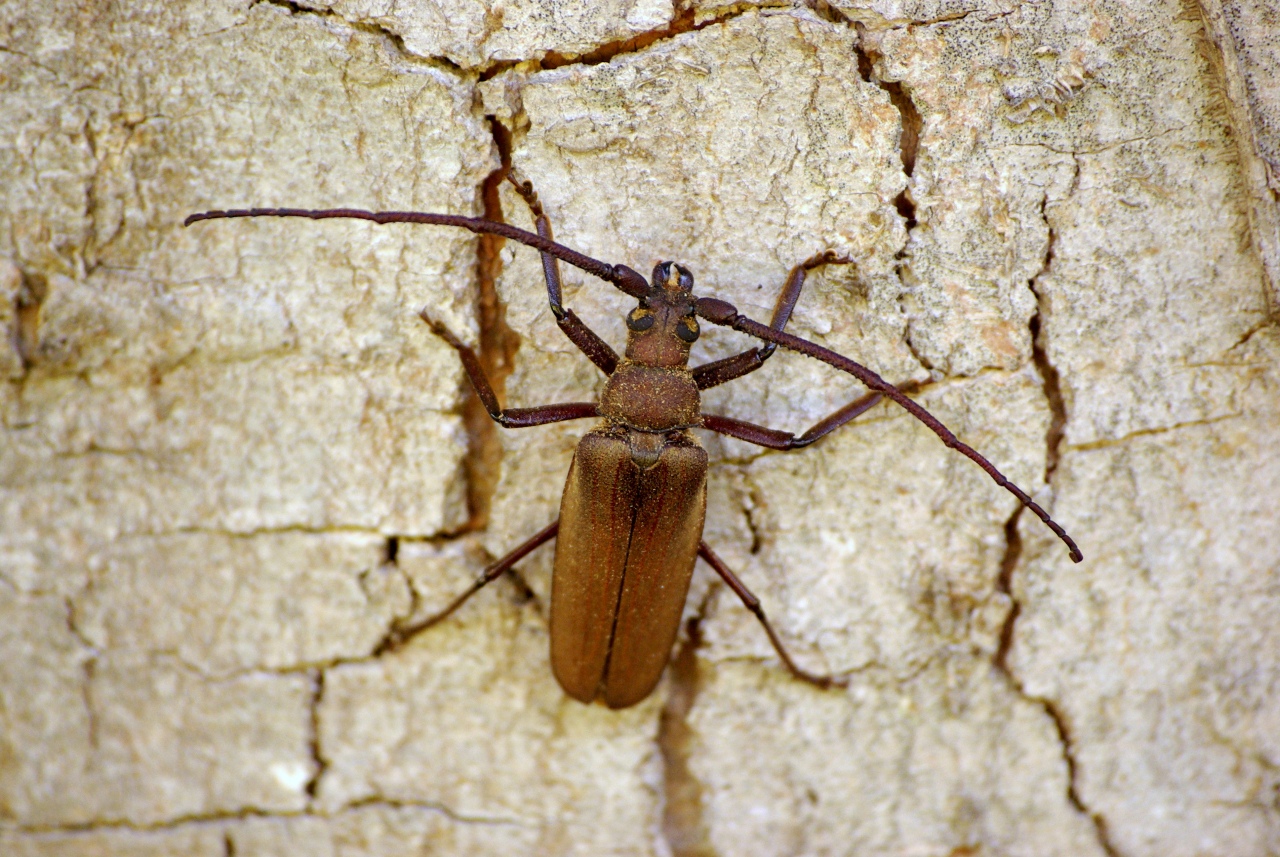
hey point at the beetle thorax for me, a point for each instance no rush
(651, 398)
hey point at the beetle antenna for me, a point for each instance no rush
(723, 313)
(626, 279)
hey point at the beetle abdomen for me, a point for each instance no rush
(625, 551)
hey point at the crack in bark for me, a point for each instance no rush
(298, 529)
(754, 526)
(223, 817)
(1068, 756)
(684, 826)
(171, 824)
(911, 124)
(1108, 442)
(88, 669)
(496, 347)
(1004, 585)
(312, 787)
(1049, 377)
(25, 334)
(431, 806)
(1051, 384)
(1253, 331)
(396, 40)
(685, 20)
(1067, 743)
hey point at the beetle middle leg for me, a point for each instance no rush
(775, 439)
(401, 633)
(752, 603)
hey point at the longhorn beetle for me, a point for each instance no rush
(631, 517)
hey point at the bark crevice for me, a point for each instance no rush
(911, 124)
(1051, 385)
(318, 760)
(496, 348)
(394, 38)
(684, 826)
(25, 335)
(1069, 758)
(685, 20)
(225, 818)
(1050, 379)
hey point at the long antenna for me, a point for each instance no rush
(621, 276)
(724, 313)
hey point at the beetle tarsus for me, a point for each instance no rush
(402, 633)
(752, 603)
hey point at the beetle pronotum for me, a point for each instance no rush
(631, 517)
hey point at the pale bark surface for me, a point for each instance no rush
(232, 456)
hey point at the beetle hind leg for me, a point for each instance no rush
(752, 603)
(402, 632)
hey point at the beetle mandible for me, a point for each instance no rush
(631, 517)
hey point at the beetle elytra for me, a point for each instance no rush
(631, 517)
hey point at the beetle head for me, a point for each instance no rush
(663, 326)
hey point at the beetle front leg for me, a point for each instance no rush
(710, 375)
(587, 340)
(402, 633)
(753, 604)
(507, 417)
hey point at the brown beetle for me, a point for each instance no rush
(631, 518)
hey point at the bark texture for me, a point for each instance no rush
(232, 456)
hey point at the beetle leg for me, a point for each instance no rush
(507, 417)
(710, 375)
(774, 439)
(753, 604)
(401, 633)
(587, 340)
(744, 363)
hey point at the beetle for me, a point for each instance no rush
(631, 516)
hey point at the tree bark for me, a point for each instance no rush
(233, 458)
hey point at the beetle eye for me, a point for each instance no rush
(687, 329)
(640, 319)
